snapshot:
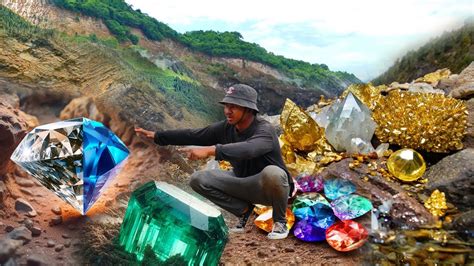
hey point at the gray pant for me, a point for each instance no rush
(235, 194)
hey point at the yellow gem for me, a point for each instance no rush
(225, 165)
(265, 221)
(436, 203)
(406, 165)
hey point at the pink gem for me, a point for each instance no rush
(309, 183)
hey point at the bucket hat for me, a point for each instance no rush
(241, 95)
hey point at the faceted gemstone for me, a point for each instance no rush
(75, 159)
(346, 235)
(309, 183)
(352, 119)
(406, 165)
(319, 215)
(307, 231)
(308, 199)
(265, 221)
(349, 207)
(171, 223)
(336, 187)
(259, 209)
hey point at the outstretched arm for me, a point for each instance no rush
(206, 136)
(145, 133)
(196, 153)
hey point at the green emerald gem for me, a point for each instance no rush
(308, 200)
(173, 223)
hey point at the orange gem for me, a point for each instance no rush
(265, 221)
(259, 209)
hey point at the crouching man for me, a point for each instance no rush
(250, 144)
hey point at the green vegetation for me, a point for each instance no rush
(453, 50)
(16, 27)
(180, 90)
(119, 17)
(230, 44)
(110, 42)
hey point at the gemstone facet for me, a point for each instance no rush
(309, 183)
(406, 165)
(308, 199)
(307, 231)
(265, 221)
(352, 119)
(319, 215)
(259, 209)
(346, 235)
(350, 206)
(172, 223)
(75, 159)
(336, 187)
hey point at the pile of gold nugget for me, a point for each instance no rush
(415, 121)
(303, 144)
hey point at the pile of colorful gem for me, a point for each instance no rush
(327, 216)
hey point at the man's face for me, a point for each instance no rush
(233, 113)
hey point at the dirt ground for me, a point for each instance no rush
(64, 231)
(60, 242)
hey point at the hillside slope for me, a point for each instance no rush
(453, 50)
(209, 72)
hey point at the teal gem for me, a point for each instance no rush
(308, 199)
(75, 159)
(336, 187)
(171, 223)
(351, 206)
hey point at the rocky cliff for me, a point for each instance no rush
(85, 65)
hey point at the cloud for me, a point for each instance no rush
(353, 36)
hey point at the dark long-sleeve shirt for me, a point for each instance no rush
(248, 151)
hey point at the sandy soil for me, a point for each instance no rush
(62, 235)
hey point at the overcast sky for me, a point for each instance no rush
(363, 37)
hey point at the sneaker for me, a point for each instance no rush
(279, 231)
(240, 226)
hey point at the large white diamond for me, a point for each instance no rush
(73, 158)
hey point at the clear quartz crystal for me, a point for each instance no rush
(351, 119)
(358, 145)
(381, 149)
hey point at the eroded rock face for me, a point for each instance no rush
(81, 107)
(464, 221)
(468, 140)
(454, 175)
(464, 86)
(14, 124)
(405, 209)
(85, 107)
